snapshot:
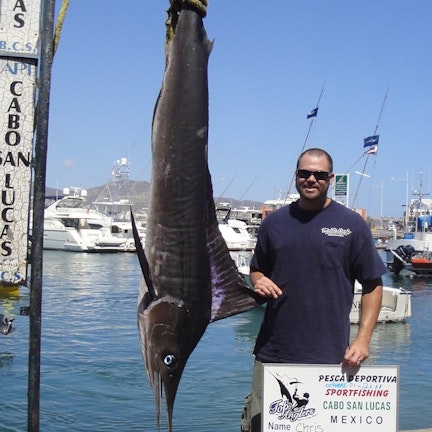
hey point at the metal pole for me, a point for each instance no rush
(382, 201)
(39, 161)
(406, 203)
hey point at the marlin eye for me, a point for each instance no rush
(169, 360)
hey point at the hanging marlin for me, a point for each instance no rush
(189, 278)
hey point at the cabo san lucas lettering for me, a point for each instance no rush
(15, 154)
(12, 157)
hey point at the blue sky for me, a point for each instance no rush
(269, 63)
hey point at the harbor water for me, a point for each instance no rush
(92, 374)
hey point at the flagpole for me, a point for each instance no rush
(382, 108)
(306, 139)
(355, 163)
(367, 157)
(359, 183)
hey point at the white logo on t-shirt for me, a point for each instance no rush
(336, 232)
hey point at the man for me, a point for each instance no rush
(307, 257)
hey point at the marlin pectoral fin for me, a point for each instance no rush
(230, 293)
(145, 268)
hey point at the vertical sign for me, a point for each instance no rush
(17, 84)
(19, 48)
(341, 189)
(19, 28)
(329, 398)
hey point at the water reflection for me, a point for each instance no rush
(418, 286)
(390, 343)
(6, 359)
(248, 326)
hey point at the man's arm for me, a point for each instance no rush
(371, 300)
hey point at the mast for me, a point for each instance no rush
(420, 194)
(312, 115)
(367, 151)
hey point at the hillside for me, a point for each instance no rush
(138, 194)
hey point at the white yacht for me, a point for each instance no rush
(114, 203)
(70, 225)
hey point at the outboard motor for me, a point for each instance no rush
(397, 265)
(405, 252)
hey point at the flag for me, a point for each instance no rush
(312, 113)
(371, 141)
(373, 150)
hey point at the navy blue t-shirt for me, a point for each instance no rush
(314, 257)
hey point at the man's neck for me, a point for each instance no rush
(315, 205)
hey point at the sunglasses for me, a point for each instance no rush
(319, 175)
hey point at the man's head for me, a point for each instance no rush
(314, 175)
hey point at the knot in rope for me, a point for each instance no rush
(200, 6)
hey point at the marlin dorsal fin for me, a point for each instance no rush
(145, 268)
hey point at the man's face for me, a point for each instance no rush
(313, 187)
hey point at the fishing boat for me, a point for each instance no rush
(119, 215)
(235, 232)
(271, 205)
(409, 255)
(416, 241)
(395, 306)
(7, 290)
(412, 262)
(422, 263)
(70, 225)
(114, 203)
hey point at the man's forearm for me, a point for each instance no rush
(370, 309)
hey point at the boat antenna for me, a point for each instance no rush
(420, 194)
(223, 192)
(247, 189)
(312, 115)
(368, 150)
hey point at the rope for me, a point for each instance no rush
(200, 6)
(59, 25)
(56, 40)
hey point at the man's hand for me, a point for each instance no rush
(264, 286)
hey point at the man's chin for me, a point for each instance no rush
(310, 195)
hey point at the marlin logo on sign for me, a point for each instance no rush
(292, 405)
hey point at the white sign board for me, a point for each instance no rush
(17, 96)
(329, 398)
(19, 27)
(341, 189)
